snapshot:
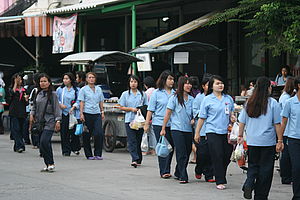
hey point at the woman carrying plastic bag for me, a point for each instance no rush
(129, 101)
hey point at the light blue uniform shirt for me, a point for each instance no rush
(196, 112)
(91, 99)
(282, 100)
(181, 115)
(291, 111)
(158, 105)
(261, 131)
(217, 113)
(66, 97)
(130, 100)
(280, 80)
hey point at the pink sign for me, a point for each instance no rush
(64, 30)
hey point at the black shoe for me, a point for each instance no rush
(247, 192)
(76, 152)
(20, 150)
(66, 154)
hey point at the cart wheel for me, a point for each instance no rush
(110, 136)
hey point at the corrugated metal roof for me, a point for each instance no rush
(80, 6)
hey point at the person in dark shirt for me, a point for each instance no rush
(17, 111)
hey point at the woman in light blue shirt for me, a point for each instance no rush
(216, 110)
(282, 77)
(261, 117)
(180, 111)
(156, 110)
(291, 113)
(129, 102)
(285, 161)
(203, 160)
(69, 104)
(92, 113)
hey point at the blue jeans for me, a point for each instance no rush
(94, 124)
(134, 139)
(16, 127)
(294, 151)
(260, 170)
(46, 147)
(183, 149)
(164, 163)
(26, 131)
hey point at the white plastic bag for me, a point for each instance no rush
(138, 122)
(144, 143)
(233, 135)
(72, 121)
(239, 152)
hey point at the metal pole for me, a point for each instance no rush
(37, 55)
(24, 48)
(133, 24)
(80, 38)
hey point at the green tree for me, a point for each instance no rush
(276, 22)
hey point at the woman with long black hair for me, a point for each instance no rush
(216, 110)
(68, 102)
(156, 110)
(179, 110)
(46, 109)
(261, 116)
(129, 102)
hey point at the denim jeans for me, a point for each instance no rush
(16, 127)
(260, 170)
(94, 125)
(183, 149)
(69, 141)
(220, 153)
(164, 163)
(46, 147)
(294, 151)
(134, 139)
(26, 131)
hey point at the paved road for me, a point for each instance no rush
(77, 178)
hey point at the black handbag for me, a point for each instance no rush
(38, 127)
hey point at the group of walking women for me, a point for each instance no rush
(181, 119)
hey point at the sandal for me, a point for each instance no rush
(183, 182)
(221, 187)
(166, 176)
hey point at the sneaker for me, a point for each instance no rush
(20, 150)
(76, 152)
(51, 168)
(91, 158)
(98, 158)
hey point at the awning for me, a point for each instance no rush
(80, 7)
(163, 39)
(38, 26)
(178, 47)
(85, 58)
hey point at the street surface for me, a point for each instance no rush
(112, 178)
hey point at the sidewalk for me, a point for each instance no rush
(77, 178)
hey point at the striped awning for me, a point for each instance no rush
(38, 26)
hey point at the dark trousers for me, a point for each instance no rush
(1, 124)
(16, 127)
(134, 139)
(46, 147)
(94, 125)
(35, 139)
(220, 153)
(260, 170)
(164, 163)
(285, 164)
(26, 131)
(69, 141)
(203, 160)
(294, 151)
(183, 149)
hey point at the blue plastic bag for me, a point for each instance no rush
(79, 129)
(163, 147)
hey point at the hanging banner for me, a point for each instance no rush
(64, 30)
